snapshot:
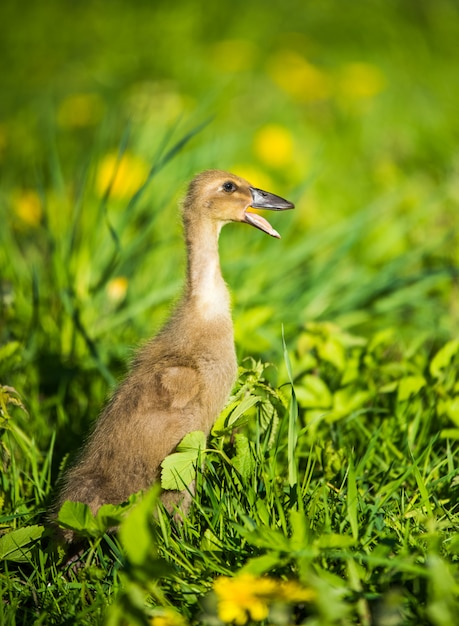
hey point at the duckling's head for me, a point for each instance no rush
(223, 197)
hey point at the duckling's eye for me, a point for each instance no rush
(229, 187)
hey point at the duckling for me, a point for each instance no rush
(180, 380)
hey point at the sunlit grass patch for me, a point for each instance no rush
(369, 504)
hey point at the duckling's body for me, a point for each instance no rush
(180, 380)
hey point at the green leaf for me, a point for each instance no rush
(266, 414)
(299, 539)
(210, 542)
(77, 516)
(268, 417)
(443, 358)
(450, 406)
(346, 401)
(111, 515)
(266, 537)
(334, 540)
(382, 338)
(135, 531)
(333, 352)
(409, 386)
(312, 392)
(450, 433)
(231, 416)
(15, 545)
(9, 349)
(352, 370)
(179, 468)
(243, 461)
(259, 565)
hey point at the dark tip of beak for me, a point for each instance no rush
(265, 200)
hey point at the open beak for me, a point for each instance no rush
(265, 200)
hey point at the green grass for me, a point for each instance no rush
(357, 500)
(334, 466)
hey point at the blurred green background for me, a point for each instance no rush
(107, 109)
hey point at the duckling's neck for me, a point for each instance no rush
(205, 288)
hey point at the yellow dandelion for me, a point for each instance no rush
(117, 288)
(243, 597)
(358, 81)
(123, 176)
(273, 145)
(234, 55)
(298, 77)
(79, 110)
(28, 207)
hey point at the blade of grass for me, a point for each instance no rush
(292, 436)
(352, 499)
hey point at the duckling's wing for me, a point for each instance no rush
(181, 384)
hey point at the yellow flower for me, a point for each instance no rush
(117, 288)
(244, 597)
(79, 110)
(168, 617)
(27, 205)
(273, 145)
(359, 81)
(247, 597)
(304, 81)
(123, 176)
